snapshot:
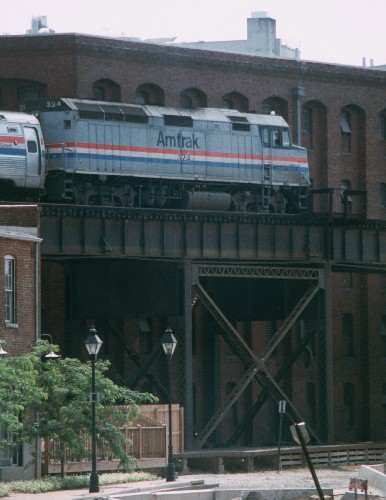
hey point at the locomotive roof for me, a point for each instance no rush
(205, 114)
(14, 116)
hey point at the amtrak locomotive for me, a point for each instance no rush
(104, 153)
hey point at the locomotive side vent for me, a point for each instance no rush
(178, 120)
(240, 123)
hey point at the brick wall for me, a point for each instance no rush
(20, 215)
(19, 337)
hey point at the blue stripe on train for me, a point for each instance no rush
(13, 152)
(162, 161)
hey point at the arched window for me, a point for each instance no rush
(345, 132)
(235, 100)
(148, 93)
(106, 90)
(307, 121)
(142, 97)
(30, 91)
(353, 133)
(193, 98)
(15, 92)
(10, 289)
(276, 104)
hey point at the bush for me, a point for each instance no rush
(54, 483)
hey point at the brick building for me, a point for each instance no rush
(20, 299)
(20, 254)
(337, 112)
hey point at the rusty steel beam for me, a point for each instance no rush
(255, 364)
(83, 231)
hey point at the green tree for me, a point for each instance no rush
(51, 400)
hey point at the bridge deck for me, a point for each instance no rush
(82, 231)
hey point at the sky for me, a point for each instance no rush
(333, 31)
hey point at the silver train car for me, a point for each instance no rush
(22, 153)
(126, 155)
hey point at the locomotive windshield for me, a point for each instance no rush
(275, 138)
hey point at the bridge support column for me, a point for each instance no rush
(329, 364)
(189, 430)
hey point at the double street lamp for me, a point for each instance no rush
(169, 343)
(93, 343)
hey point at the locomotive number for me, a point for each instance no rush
(53, 104)
(183, 157)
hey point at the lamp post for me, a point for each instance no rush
(51, 354)
(169, 343)
(93, 343)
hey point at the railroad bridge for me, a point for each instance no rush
(169, 261)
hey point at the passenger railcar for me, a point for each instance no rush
(131, 155)
(22, 153)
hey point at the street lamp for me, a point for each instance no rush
(169, 343)
(51, 354)
(93, 343)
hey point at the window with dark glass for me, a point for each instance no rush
(98, 93)
(10, 289)
(32, 147)
(345, 197)
(345, 128)
(307, 121)
(382, 195)
(266, 137)
(348, 334)
(383, 125)
(383, 335)
(347, 281)
(186, 102)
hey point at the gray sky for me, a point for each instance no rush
(337, 31)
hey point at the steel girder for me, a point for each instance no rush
(256, 368)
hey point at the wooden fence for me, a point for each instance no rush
(148, 444)
(160, 414)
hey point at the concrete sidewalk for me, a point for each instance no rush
(332, 480)
(84, 494)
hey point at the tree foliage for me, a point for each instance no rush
(51, 400)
